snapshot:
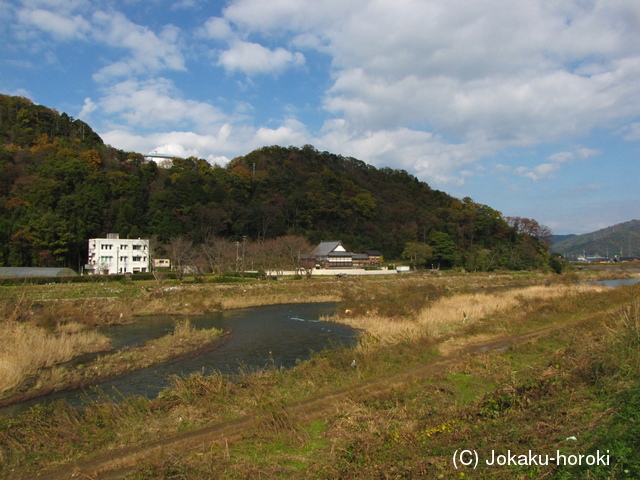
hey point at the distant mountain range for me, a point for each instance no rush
(622, 240)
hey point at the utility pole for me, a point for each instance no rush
(244, 241)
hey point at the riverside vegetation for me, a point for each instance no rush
(522, 361)
(46, 326)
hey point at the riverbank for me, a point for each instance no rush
(47, 326)
(544, 366)
(184, 342)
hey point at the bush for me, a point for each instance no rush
(82, 279)
(244, 274)
(557, 263)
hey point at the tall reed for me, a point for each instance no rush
(26, 348)
(450, 312)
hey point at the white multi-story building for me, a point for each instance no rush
(117, 255)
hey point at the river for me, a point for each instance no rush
(279, 335)
(617, 282)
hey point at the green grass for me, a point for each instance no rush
(581, 381)
(618, 437)
(468, 387)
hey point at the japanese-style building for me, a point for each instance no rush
(333, 254)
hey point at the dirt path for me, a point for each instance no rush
(117, 463)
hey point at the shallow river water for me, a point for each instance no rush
(261, 336)
(618, 282)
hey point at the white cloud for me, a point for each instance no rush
(216, 147)
(247, 57)
(65, 27)
(472, 70)
(429, 86)
(292, 133)
(421, 153)
(18, 92)
(87, 109)
(71, 20)
(218, 28)
(578, 153)
(556, 160)
(149, 52)
(252, 58)
(156, 104)
(544, 170)
(290, 15)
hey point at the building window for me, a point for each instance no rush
(137, 259)
(137, 247)
(123, 247)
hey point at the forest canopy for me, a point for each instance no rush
(61, 185)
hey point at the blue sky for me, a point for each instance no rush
(529, 106)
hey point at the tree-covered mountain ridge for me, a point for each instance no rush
(61, 185)
(622, 240)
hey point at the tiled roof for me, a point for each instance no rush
(325, 248)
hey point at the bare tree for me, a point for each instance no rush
(282, 253)
(529, 226)
(263, 256)
(293, 248)
(179, 251)
(198, 264)
(154, 254)
(219, 253)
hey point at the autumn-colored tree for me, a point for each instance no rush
(60, 185)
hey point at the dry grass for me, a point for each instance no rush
(403, 426)
(32, 370)
(26, 348)
(244, 302)
(204, 298)
(40, 333)
(450, 313)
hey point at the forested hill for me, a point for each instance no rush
(23, 124)
(60, 185)
(621, 240)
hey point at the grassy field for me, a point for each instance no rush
(444, 364)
